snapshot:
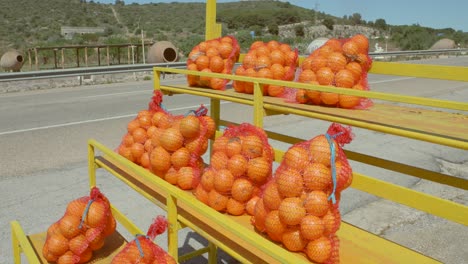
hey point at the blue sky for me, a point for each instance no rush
(429, 13)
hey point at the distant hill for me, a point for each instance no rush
(32, 23)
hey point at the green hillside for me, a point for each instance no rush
(32, 23)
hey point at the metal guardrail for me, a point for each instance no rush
(33, 75)
(417, 52)
(45, 74)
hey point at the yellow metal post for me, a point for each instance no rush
(91, 166)
(156, 79)
(258, 105)
(172, 232)
(212, 30)
(213, 253)
(15, 244)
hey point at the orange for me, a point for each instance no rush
(242, 190)
(259, 170)
(207, 179)
(317, 177)
(259, 215)
(319, 250)
(160, 159)
(186, 178)
(180, 158)
(274, 227)
(235, 207)
(252, 146)
(237, 165)
(271, 196)
(296, 157)
(219, 160)
(233, 146)
(293, 240)
(331, 222)
(171, 139)
(189, 126)
(223, 181)
(291, 211)
(250, 206)
(319, 150)
(316, 203)
(312, 227)
(290, 182)
(201, 194)
(336, 61)
(217, 201)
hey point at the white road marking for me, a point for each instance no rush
(93, 120)
(393, 80)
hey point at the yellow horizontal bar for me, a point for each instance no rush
(125, 222)
(26, 247)
(193, 254)
(385, 129)
(424, 202)
(408, 170)
(205, 94)
(270, 248)
(368, 94)
(451, 73)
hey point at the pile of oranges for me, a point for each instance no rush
(241, 162)
(216, 55)
(340, 63)
(299, 206)
(271, 60)
(82, 229)
(169, 146)
(143, 250)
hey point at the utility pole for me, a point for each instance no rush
(143, 46)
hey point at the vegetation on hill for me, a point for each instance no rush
(30, 23)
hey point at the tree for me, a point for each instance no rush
(381, 24)
(299, 30)
(273, 29)
(328, 22)
(356, 19)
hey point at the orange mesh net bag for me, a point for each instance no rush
(216, 55)
(142, 249)
(270, 60)
(299, 206)
(170, 146)
(82, 229)
(241, 163)
(342, 63)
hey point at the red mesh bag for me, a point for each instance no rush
(271, 60)
(82, 229)
(142, 249)
(240, 164)
(216, 55)
(170, 146)
(341, 63)
(299, 206)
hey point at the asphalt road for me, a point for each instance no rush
(43, 165)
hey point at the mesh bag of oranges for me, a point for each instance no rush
(142, 249)
(81, 230)
(170, 146)
(240, 164)
(299, 206)
(216, 55)
(271, 60)
(340, 63)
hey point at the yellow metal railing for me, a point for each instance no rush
(175, 196)
(424, 202)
